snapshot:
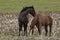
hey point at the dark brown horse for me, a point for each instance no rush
(23, 19)
(41, 20)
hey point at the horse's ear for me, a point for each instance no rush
(32, 6)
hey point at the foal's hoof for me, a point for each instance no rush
(24, 35)
(39, 33)
(50, 35)
(45, 34)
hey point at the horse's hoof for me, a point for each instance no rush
(19, 35)
(23, 35)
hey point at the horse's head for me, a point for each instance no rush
(32, 10)
(29, 9)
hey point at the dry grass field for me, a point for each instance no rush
(9, 28)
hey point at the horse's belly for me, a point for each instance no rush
(23, 19)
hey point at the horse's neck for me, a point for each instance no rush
(25, 13)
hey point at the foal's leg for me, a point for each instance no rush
(46, 29)
(50, 29)
(39, 28)
(25, 29)
(20, 28)
(32, 30)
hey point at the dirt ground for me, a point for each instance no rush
(9, 28)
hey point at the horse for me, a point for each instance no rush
(23, 19)
(41, 20)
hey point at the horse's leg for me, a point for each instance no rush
(20, 28)
(46, 30)
(39, 28)
(25, 29)
(50, 29)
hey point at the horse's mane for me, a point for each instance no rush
(25, 8)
